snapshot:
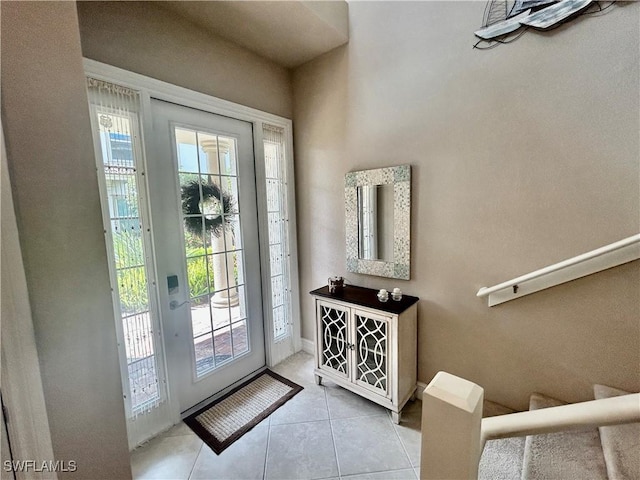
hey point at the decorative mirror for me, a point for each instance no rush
(378, 211)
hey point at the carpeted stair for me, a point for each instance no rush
(606, 453)
(563, 455)
(620, 443)
(501, 459)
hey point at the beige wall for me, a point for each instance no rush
(53, 177)
(522, 156)
(144, 38)
(22, 393)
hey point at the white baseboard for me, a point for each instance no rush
(308, 346)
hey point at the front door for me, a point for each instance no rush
(205, 224)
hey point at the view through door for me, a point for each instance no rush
(202, 189)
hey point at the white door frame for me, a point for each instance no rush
(153, 88)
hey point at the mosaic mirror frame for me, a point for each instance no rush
(400, 178)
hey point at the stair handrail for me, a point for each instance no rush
(454, 432)
(575, 416)
(622, 251)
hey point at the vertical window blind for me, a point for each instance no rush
(116, 127)
(278, 218)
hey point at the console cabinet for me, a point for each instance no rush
(367, 346)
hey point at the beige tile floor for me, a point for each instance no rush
(324, 432)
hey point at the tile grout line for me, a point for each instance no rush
(195, 461)
(404, 448)
(333, 439)
(376, 472)
(266, 452)
(385, 411)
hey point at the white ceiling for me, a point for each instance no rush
(288, 32)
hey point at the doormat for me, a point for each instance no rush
(228, 418)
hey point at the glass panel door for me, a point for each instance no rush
(203, 201)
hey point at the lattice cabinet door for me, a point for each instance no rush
(333, 338)
(371, 346)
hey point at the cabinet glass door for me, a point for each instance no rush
(371, 348)
(333, 338)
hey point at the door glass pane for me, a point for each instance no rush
(187, 150)
(238, 267)
(198, 276)
(227, 156)
(240, 337)
(213, 246)
(217, 271)
(203, 347)
(230, 191)
(195, 243)
(201, 315)
(222, 344)
(208, 148)
(242, 312)
(234, 236)
(187, 178)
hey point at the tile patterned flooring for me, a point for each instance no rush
(324, 432)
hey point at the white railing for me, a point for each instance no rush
(454, 432)
(602, 258)
(576, 416)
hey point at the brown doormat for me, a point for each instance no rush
(226, 419)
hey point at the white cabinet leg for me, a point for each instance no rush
(318, 379)
(395, 417)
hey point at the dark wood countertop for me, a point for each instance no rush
(367, 297)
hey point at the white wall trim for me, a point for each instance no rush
(308, 346)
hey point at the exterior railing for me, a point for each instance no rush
(454, 432)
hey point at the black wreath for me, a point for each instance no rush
(191, 208)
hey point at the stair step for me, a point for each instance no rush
(563, 455)
(493, 409)
(501, 459)
(620, 443)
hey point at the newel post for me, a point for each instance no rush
(451, 422)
